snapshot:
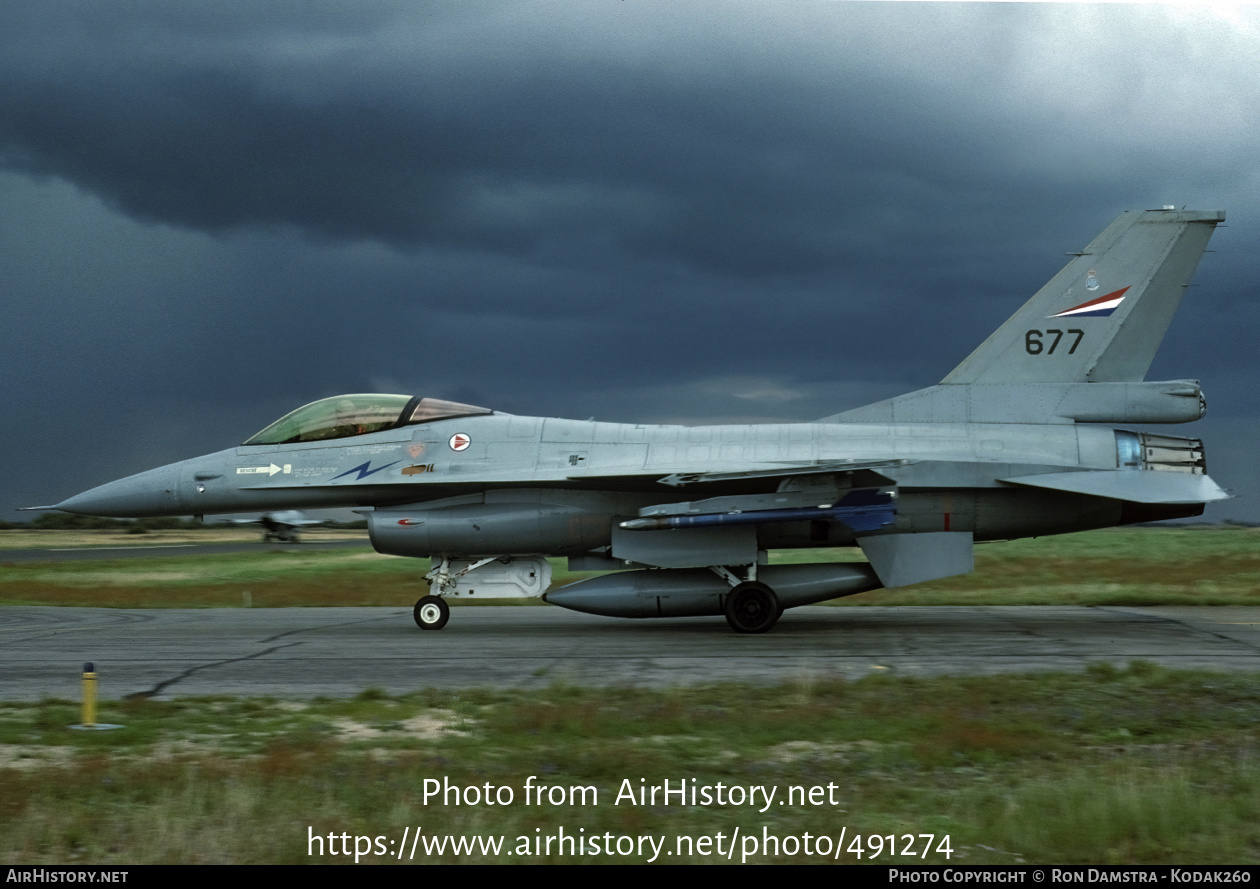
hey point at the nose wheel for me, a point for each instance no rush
(432, 613)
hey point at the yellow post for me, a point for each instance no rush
(89, 694)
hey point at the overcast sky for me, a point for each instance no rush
(639, 211)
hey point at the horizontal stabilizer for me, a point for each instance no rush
(1135, 486)
(903, 559)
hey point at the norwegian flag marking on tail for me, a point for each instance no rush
(1095, 308)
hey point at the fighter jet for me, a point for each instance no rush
(1015, 442)
(281, 526)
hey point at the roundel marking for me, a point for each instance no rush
(460, 442)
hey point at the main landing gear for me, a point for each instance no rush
(751, 606)
(431, 613)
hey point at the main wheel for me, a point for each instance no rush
(752, 608)
(432, 613)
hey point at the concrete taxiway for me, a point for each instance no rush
(296, 652)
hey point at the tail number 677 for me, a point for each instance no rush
(1035, 345)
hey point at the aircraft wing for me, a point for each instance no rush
(774, 470)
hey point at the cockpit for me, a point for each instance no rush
(346, 415)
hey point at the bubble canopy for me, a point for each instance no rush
(343, 416)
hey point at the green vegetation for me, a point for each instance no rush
(1118, 566)
(61, 521)
(1140, 765)
(1132, 566)
(64, 521)
(289, 576)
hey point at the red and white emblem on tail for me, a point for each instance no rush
(1095, 308)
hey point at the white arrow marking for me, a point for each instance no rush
(258, 470)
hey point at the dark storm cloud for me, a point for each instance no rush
(641, 211)
(477, 127)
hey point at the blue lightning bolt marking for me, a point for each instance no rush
(363, 471)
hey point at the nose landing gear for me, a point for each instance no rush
(431, 613)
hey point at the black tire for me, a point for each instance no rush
(752, 608)
(431, 613)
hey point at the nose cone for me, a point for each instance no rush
(152, 493)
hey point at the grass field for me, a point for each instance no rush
(1135, 566)
(1110, 766)
(47, 539)
(1141, 765)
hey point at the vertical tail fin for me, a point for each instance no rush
(1103, 317)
